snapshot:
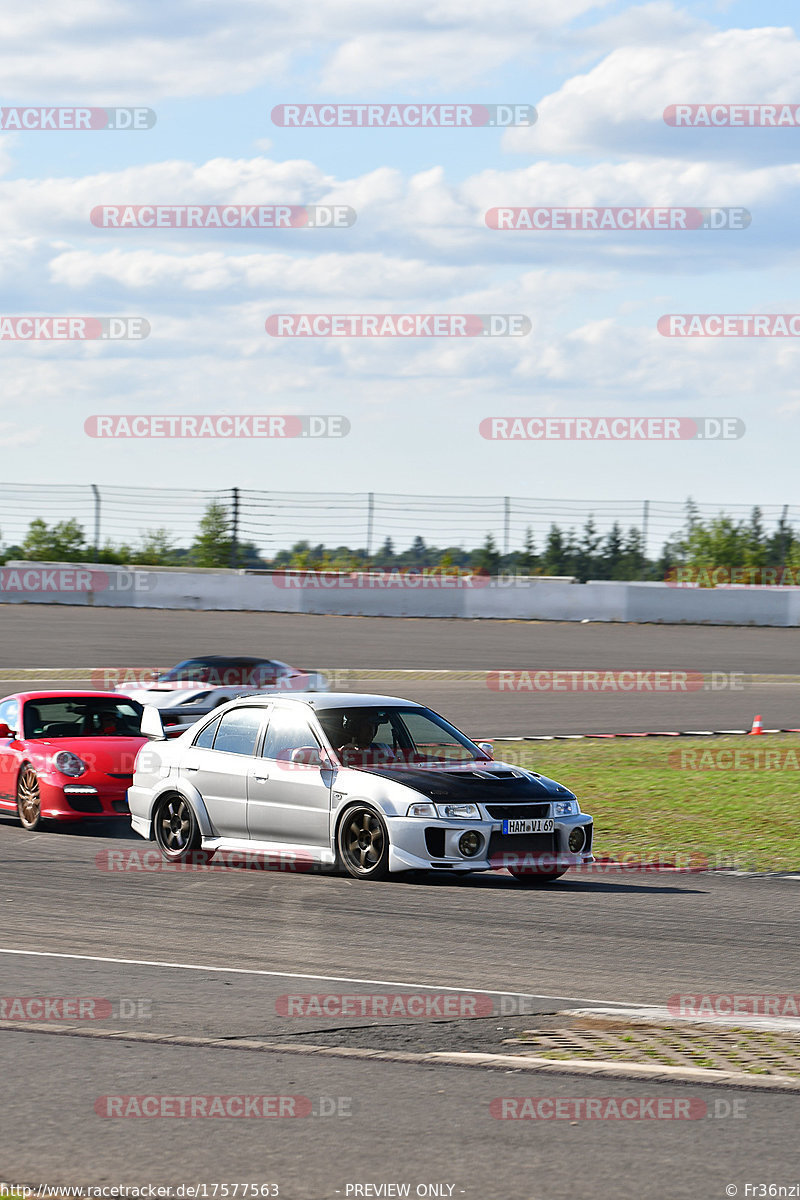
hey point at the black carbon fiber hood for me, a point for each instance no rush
(484, 784)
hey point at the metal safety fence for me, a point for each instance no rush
(275, 521)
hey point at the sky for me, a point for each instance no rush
(600, 74)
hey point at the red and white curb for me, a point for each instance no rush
(578, 737)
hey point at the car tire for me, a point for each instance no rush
(534, 879)
(362, 841)
(177, 833)
(29, 803)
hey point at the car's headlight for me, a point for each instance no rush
(461, 812)
(69, 764)
(565, 808)
(421, 809)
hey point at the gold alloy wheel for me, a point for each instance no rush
(29, 804)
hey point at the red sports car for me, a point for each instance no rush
(67, 755)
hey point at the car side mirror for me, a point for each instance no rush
(5, 731)
(486, 747)
(310, 756)
(151, 726)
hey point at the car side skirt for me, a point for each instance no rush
(285, 855)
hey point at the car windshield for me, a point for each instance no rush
(395, 736)
(223, 672)
(81, 716)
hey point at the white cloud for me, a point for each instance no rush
(331, 275)
(392, 60)
(617, 107)
(192, 48)
(658, 23)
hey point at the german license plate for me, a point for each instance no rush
(538, 825)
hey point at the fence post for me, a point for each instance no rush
(506, 522)
(370, 518)
(96, 492)
(645, 522)
(235, 527)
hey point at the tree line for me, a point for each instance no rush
(585, 554)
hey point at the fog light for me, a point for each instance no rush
(470, 843)
(577, 838)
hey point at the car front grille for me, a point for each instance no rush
(85, 804)
(513, 812)
(501, 845)
(120, 806)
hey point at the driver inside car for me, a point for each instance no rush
(360, 749)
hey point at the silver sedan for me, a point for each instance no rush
(371, 784)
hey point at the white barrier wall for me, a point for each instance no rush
(538, 599)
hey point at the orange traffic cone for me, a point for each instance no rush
(757, 727)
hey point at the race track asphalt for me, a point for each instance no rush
(404, 1125)
(36, 635)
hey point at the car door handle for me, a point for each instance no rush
(260, 778)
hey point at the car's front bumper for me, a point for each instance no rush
(416, 842)
(60, 803)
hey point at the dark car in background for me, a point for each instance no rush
(232, 671)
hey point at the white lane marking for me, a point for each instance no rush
(146, 962)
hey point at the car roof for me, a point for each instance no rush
(323, 700)
(225, 658)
